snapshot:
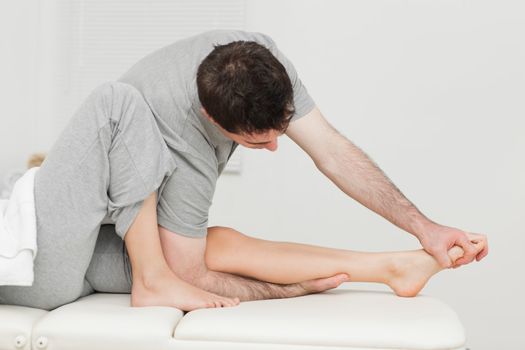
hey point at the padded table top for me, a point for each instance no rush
(337, 319)
(340, 318)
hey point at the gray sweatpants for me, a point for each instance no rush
(108, 159)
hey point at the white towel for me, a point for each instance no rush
(18, 233)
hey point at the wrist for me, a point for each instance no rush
(421, 226)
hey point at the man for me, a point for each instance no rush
(206, 100)
(144, 155)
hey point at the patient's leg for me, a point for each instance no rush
(281, 262)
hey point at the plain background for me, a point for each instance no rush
(431, 90)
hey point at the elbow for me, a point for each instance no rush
(328, 165)
(336, 158)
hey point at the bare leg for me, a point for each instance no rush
(154, 284)
(230, 251)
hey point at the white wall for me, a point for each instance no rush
(55, 52)
(433, 91)
(18, 69)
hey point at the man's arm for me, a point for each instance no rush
(186, 258)
(359, 177)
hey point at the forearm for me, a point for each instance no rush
(360, 178)
(245, 289)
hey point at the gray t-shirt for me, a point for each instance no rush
(167, 80)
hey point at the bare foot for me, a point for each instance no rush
(321, 284)
(411, 270)
(169, 290)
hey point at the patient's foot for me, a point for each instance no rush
(411, 270)
(169, 290)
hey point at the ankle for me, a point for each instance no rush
(399, 265)
(393, 271)
(151, 278)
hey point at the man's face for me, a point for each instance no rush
(266, 140)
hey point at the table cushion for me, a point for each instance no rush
(16, 324)
(338, 318)
(106, 322)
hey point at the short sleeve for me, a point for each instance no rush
(302, 100)
(186, 197)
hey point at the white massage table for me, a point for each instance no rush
(334, 320)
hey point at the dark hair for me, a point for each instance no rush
(245, 88)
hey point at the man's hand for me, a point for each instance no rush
(438, 239)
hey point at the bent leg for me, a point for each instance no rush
(107, 160)
(230, 251)
(154, 284)
(144, 273)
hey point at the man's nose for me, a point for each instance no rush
(272, 146)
